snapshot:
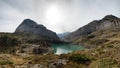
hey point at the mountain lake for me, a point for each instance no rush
(66, 48)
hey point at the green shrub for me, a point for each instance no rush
(5, 62)
(110, 46)
(8, 41)
(104, 63)
(90, 36)
(98, 41)
(28, 58)
(107, 63)
(100, 51)
(80, 58)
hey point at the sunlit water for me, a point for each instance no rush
(66, 48)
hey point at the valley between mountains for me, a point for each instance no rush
(30, 46)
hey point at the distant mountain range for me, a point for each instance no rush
(61, 35)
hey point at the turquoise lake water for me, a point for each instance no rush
(66, 48)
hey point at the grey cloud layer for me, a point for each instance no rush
(76, 12)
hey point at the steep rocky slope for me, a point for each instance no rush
(108, 21)
(105, 47)
(38, 31)
(100, 37)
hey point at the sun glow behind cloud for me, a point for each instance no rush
(53, 14)
(57, 15)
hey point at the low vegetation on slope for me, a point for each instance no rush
(8, 43)
(105, 47)
(25, 52)
(101, 37)
(105, 53)
(12, 43)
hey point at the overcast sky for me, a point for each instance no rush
(57, 15)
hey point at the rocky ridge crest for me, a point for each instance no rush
(108, 21)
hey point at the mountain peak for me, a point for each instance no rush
(110, 17)
(29, 27)
(28, 22)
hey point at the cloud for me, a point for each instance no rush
(75, 13)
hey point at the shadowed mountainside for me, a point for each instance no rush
(108, 21)
(38, 31)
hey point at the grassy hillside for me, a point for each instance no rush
(104, 52)
(105, 47)
(100, 38)
(11, 43)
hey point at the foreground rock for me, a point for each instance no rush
(34, 49)
(32, 29)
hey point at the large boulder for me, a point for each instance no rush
(31, 28)
(34, 49)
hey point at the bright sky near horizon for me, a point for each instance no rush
(57, 15)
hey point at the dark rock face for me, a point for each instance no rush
(108, 21)
(32, 28)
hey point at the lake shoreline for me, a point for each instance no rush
(66, 48)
